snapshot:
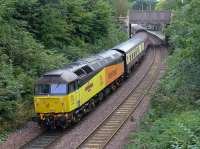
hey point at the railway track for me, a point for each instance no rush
(102, 135)
(106, 130)
(44, 140)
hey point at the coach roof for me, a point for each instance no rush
(131, 43)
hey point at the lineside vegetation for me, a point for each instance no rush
(174, 121)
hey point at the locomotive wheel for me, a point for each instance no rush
(87, 108)
(113, 87)
(76, 118)
(100, 96)
(107, 91)
(121, 79)
(93, 105)
(118, 83)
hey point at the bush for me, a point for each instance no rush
(173, 131)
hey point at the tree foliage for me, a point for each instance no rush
(63, 24)
(176, 131)
(120, 7)
(143, 4)
(169, 5)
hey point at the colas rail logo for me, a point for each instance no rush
(88, 88)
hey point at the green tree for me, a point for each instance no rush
(121, 7)
(143, 4)
(169, 4)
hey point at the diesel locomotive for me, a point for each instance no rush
(64, 95)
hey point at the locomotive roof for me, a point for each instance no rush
(101, 59)
(67, 74)
(131, 43)
(62, 75)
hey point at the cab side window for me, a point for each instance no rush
(73, 86)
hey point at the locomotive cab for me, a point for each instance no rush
(54, 94)
(49, 97)
(55, 98)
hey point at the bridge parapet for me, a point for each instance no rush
(151, 20)
(149, 17)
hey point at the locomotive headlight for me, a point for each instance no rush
(42, 117)
(36, 104)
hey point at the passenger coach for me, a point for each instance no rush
(133, 50)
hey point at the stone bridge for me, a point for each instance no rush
(152, 20)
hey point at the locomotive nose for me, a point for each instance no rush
(49, 104)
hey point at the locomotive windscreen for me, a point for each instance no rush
(51, 89)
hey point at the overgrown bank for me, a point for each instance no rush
(37, 36)
(173, 121)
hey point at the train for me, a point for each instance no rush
(63, 96)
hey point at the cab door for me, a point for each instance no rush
(74, 95)
(78, 100)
